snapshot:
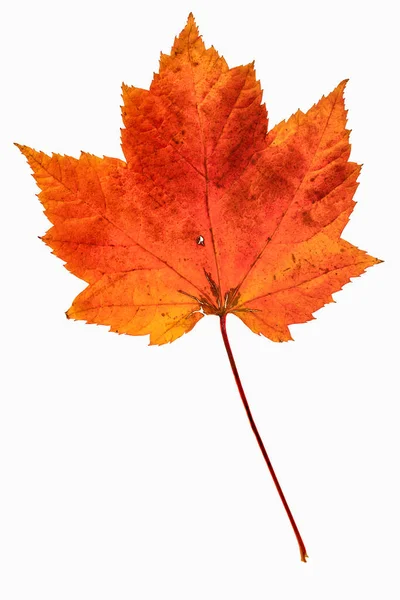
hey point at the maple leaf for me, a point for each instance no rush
(210, 213)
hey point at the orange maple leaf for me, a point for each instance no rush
(210, 213)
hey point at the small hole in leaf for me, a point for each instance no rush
(200, 240)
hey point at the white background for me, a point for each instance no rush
(131, 472)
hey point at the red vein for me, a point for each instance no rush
(205, 170)
(298, 285)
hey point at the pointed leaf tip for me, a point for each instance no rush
(191, 22)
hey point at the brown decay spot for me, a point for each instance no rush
(213, 286)
(307, 218)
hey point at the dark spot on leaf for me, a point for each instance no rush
(307, 218)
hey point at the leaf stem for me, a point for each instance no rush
(302, 548)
